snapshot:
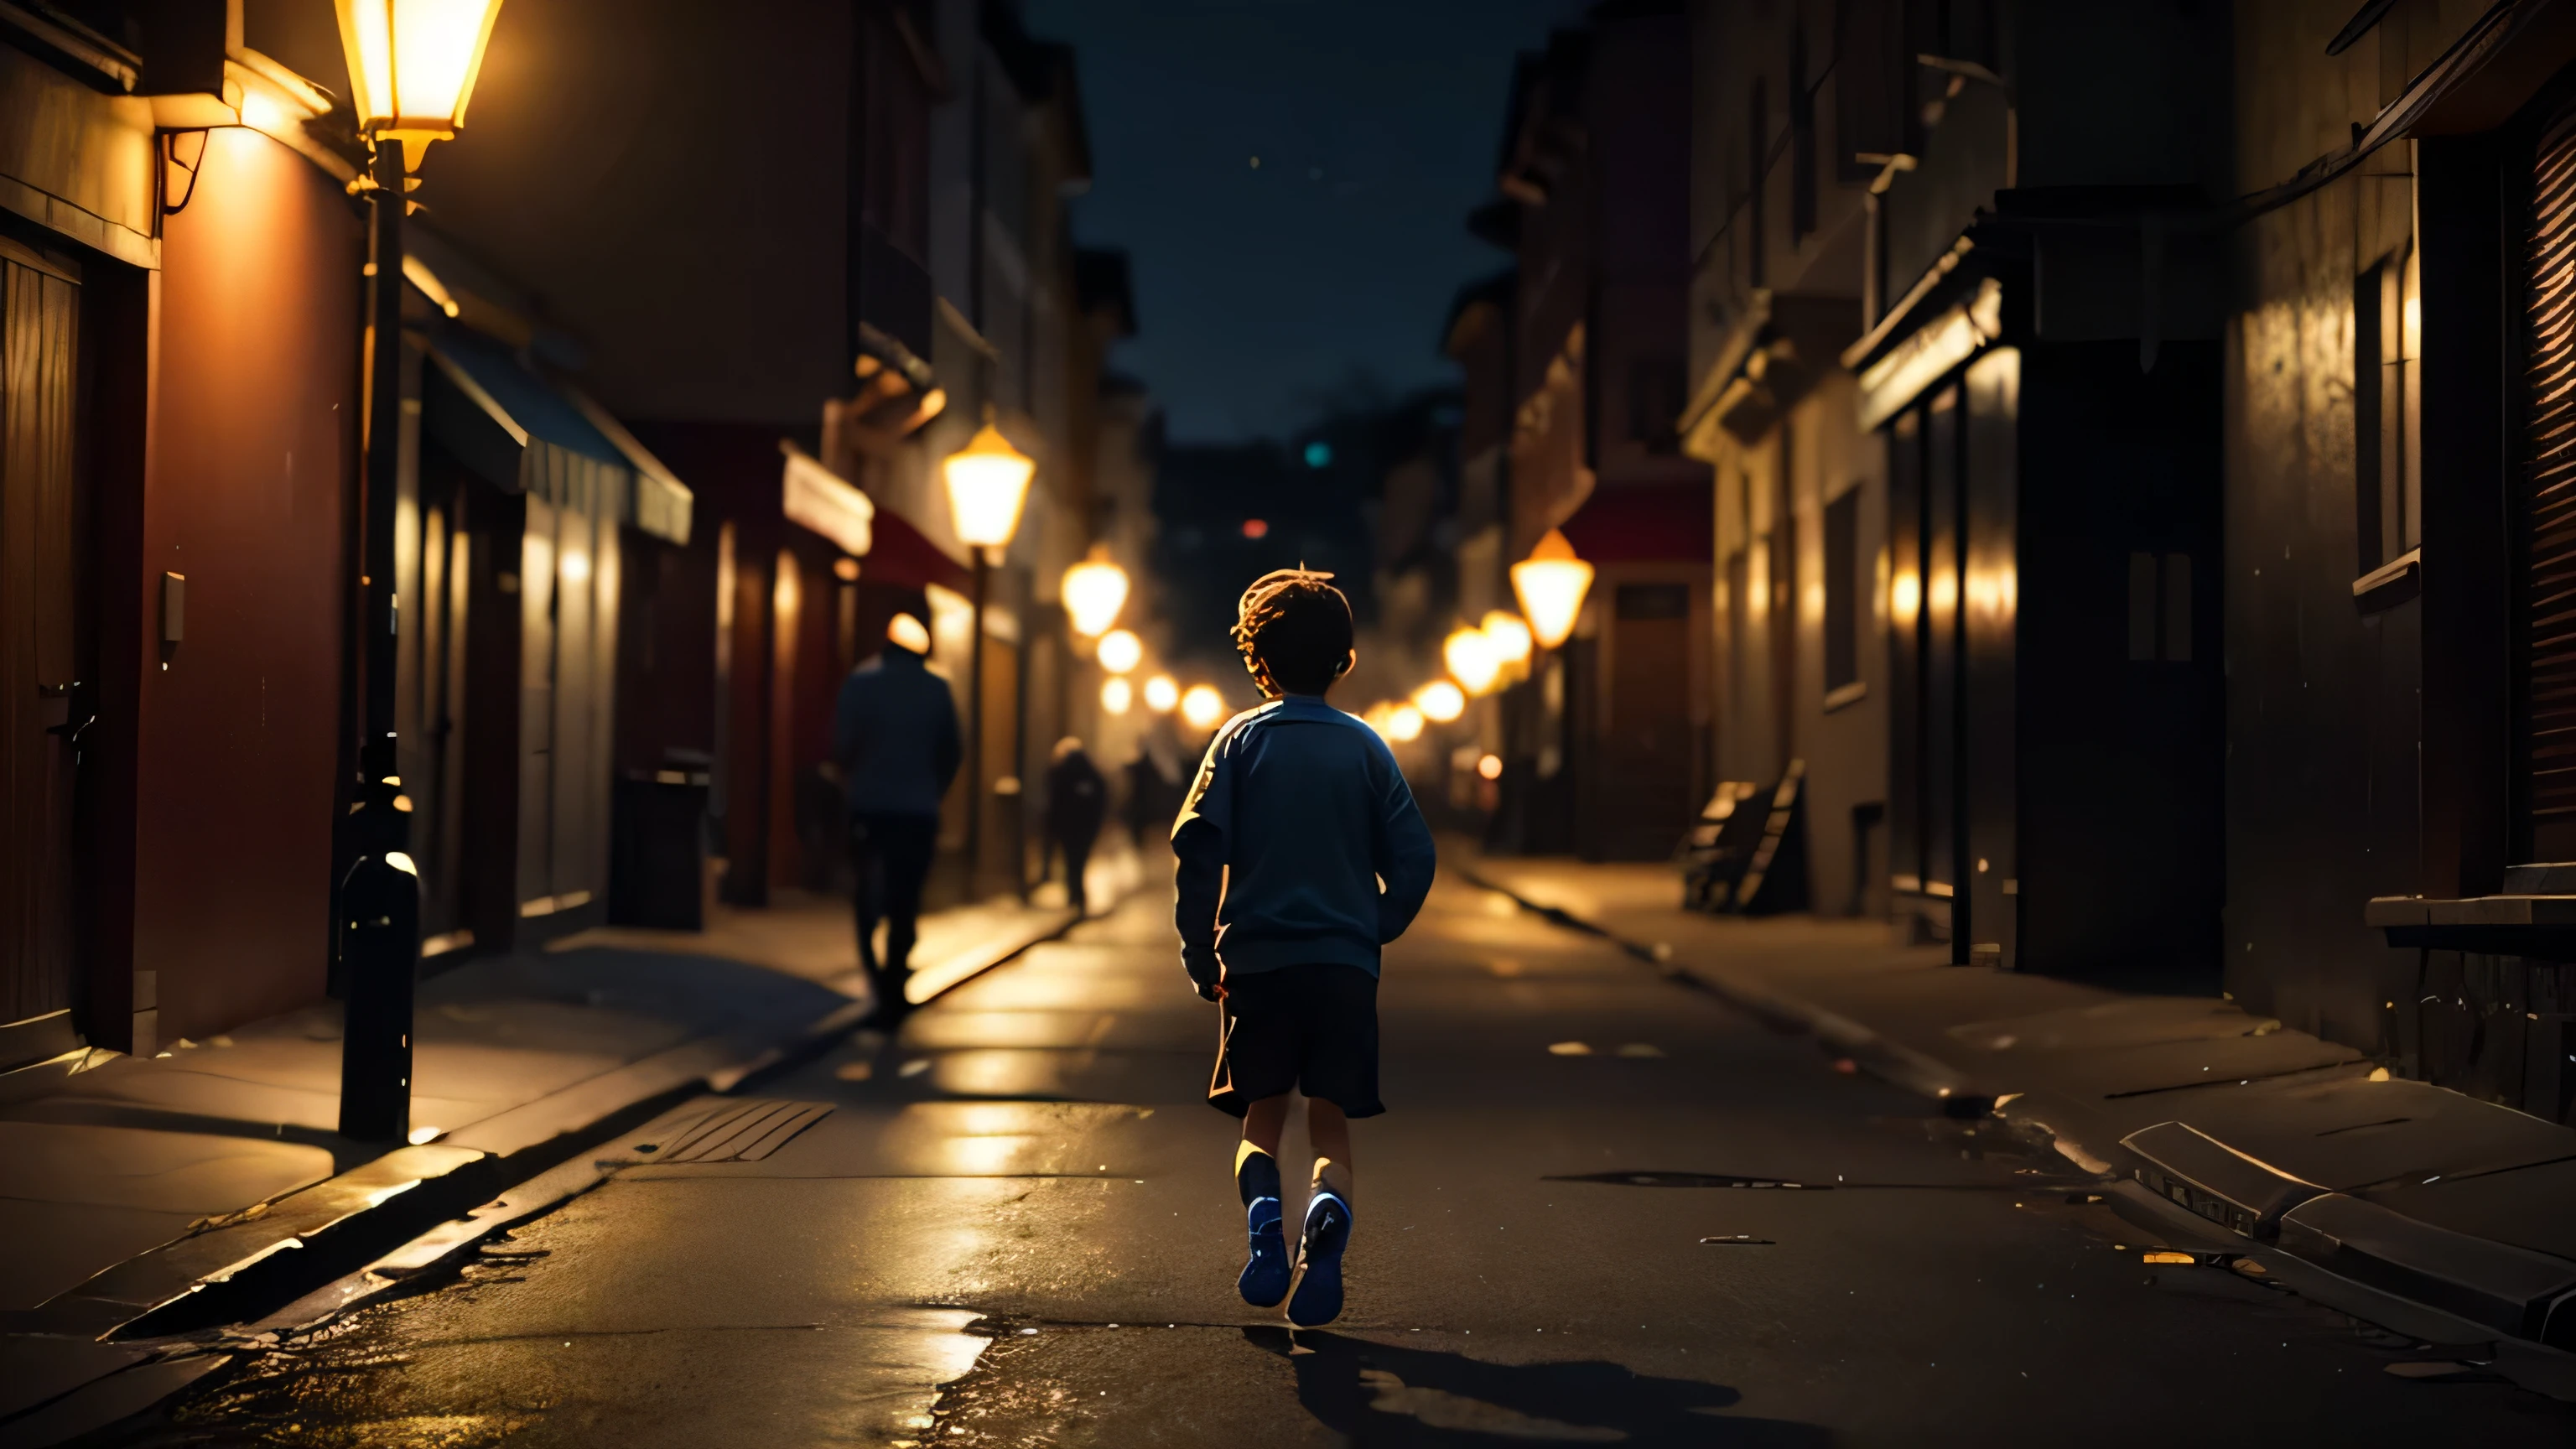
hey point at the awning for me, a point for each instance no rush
(524, 434)
(824, 501)
(904, 556)
(889, 549)
(1646, 523)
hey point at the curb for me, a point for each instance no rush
(2348, 1253)
(409, 1210)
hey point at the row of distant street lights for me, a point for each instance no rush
(1499, 650)
(1481, 658)
(1093, 591)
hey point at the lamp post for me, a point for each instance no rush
(988, 484)
(1550, 585)
(412, 65)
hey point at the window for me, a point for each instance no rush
(2387, 454)
(1842, 594)
(1802, 134)
(1655, 403)
(1872, 69)
(1757, 137)
(2160, 608)
(1652, 601)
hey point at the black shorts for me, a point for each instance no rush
(1313, 1028)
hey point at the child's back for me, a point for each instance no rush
(1313, 813)
(1299, 814)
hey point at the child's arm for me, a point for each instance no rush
(1198, 839)
(1406, 858)
(1199, 882)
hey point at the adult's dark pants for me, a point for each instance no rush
(1076, 844)
(892, 855)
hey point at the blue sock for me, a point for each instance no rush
(1267, 1267)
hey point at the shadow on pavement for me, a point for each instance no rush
(1384, 1395)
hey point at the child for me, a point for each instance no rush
(1298, 813)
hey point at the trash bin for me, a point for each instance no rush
(657, 872)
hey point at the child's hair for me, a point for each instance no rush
(1294, 631)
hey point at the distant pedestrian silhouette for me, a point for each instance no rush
(1077, 804)
(895, 738)
(1153, 793)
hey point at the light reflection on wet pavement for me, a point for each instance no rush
(1032, 1240)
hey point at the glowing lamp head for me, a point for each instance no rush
(1117, 696)
(1550, 584)
(988, 484)
(1470, 657)
(1121, 651)
(1490, 767)
(1094, 591)
(1404, 723)
(412, 65)
(1161, 694)
(1202, 707)
(1509, 636)
(1440, 701)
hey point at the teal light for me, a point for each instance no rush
(1319, 454)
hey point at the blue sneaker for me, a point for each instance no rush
(1328, 1232)
(1265, 1273)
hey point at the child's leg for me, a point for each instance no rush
(1256, 1177)
(1329, 1133)
(1265, 1121)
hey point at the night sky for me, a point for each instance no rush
(1267, 294)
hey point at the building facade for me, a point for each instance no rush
(1610, 743)
(179, 286)
(2135, 499)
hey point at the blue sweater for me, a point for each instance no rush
(1298, 813)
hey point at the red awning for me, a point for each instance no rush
(902, 555)
(1646, 523)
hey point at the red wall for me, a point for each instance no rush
(253, 441)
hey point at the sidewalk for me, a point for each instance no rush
(2216, 1120)
(144, 1199)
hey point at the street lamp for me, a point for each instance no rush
(1440, 701)
(412, 65)
(988, 484)
(1550, 584)
(1202, 707)
(1404, 722)
(1470, 657)
(1121, 651)
(1117, 696)
(1094, 591)
(1161, 694)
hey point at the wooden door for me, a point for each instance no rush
(1646, 754)
(46, 691)
(2548, 632)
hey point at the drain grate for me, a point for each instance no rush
(744, 1131)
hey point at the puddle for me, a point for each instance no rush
(1689, 1179)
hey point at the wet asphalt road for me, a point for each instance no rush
(1015, 1227)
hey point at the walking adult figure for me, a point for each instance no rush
(1077, 803)
(1151, 799)
(895, 736)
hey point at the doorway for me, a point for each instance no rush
(46, 673)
